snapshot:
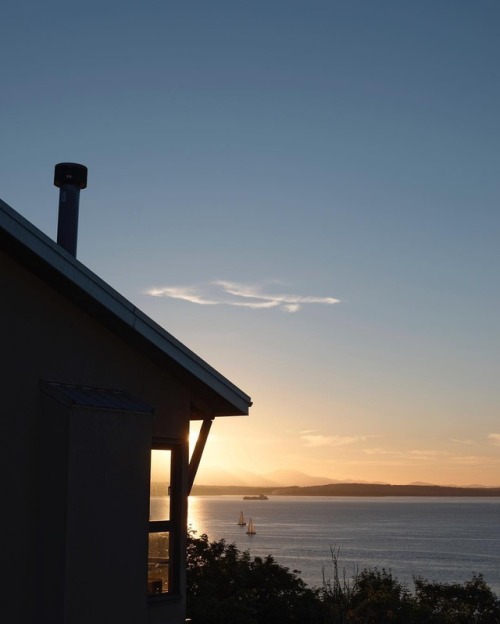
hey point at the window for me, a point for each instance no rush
(163, 521)
(161, 469)
(158, 563)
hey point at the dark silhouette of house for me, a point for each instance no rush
(96, 406)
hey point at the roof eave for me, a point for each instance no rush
(46, 258)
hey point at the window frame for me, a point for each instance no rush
(172, 526)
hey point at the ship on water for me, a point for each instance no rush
(258, 497)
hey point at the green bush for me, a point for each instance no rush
(227, 586)
(470, 603)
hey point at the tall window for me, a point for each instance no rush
(161, 526)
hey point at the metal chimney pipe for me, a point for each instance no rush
(70, 178)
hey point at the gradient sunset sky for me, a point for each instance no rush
(305, 193)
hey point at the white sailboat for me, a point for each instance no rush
(250, 528)
(241, 521)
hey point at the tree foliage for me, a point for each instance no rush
(453, 603)
(228, 586)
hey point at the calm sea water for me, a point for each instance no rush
(442, 539)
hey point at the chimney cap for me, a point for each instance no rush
(70, 173)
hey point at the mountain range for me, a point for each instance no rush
(217, 476)
(277, 478)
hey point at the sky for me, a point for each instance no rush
(305, 193)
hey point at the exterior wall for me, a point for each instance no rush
(92, 514)
(44, 337)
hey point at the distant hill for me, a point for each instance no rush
(376, 489)
(349, 489)
(215, 475)
(217, 480)
(283, 478)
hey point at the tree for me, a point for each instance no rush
(372, 596)
(378, 598)
(454, 603)
(228, 586)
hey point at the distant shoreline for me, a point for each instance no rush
(347, 489)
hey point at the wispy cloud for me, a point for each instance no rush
(427, 453)
(415, 454)
(377, 451)
(466, 442)
(495, 438)
(221, 292)
(474, 460)
(323, 440)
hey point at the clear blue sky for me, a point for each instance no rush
(254, 161)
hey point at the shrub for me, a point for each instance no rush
(370, 597)
(454, 603)
(227, 586)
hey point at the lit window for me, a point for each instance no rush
(158, 563)
(162, 522)
(159, 500)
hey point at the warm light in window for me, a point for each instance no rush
(158, 563)
(159, 502)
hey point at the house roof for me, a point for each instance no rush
(44, 257)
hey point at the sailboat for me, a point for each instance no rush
(241, 521)
(250, 528)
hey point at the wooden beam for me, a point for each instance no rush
(198, 451)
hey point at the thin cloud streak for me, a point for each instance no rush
(322, 440)
(179, 292)
(222, 292)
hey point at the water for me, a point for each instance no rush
(441, 539)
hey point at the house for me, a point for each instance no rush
(96, 406)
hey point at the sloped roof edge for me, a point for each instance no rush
(44, 256)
